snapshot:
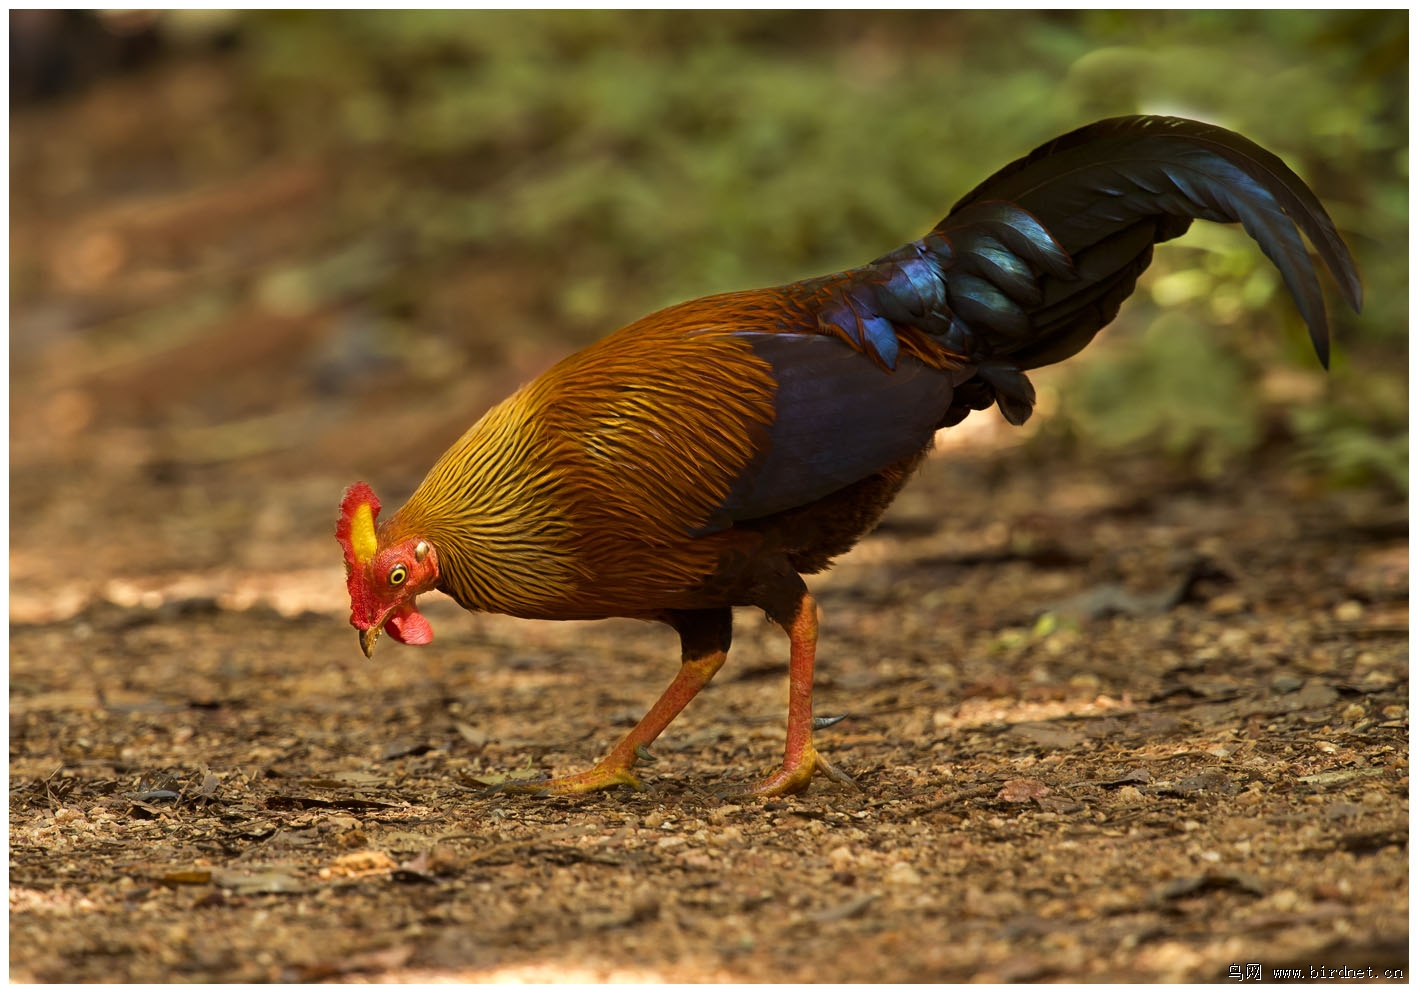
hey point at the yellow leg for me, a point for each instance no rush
(704, 643)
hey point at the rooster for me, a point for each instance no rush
(710, 455)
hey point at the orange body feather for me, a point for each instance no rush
(581, 495)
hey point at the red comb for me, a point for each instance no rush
(357, 495)
(352, 535)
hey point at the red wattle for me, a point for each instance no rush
(407, 625)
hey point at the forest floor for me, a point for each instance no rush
(1133, 732)
(1108, 722)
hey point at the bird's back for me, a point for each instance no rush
(650, 469)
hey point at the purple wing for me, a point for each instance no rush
(839, 418)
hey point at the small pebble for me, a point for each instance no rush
(903, 874)
(1350, 611)
(1226, 604)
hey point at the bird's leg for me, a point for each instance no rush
(800, 759)
(704, 643)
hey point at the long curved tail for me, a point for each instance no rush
(1030, 264)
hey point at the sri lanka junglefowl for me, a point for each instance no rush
(711, 454)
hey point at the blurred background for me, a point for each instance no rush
(256, 256)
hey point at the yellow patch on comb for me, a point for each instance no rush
(362, 540)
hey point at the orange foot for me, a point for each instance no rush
(602, 776)
(791, 778)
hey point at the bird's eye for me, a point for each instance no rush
(397, 575)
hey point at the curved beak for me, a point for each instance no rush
(368, 637)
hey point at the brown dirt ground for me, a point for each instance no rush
(207, 794)
(1109, 722)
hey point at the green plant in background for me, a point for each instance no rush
(635, 159)
(1179, 389)
(1338, 444)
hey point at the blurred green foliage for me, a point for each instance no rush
(640, 158)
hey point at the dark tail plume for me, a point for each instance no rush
(1105, 194)
(1029, 265)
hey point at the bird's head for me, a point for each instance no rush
(385, 573)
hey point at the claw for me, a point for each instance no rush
(730, 792)
(598, 778)
(834, 774)
(821, 723)
(512, 785)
